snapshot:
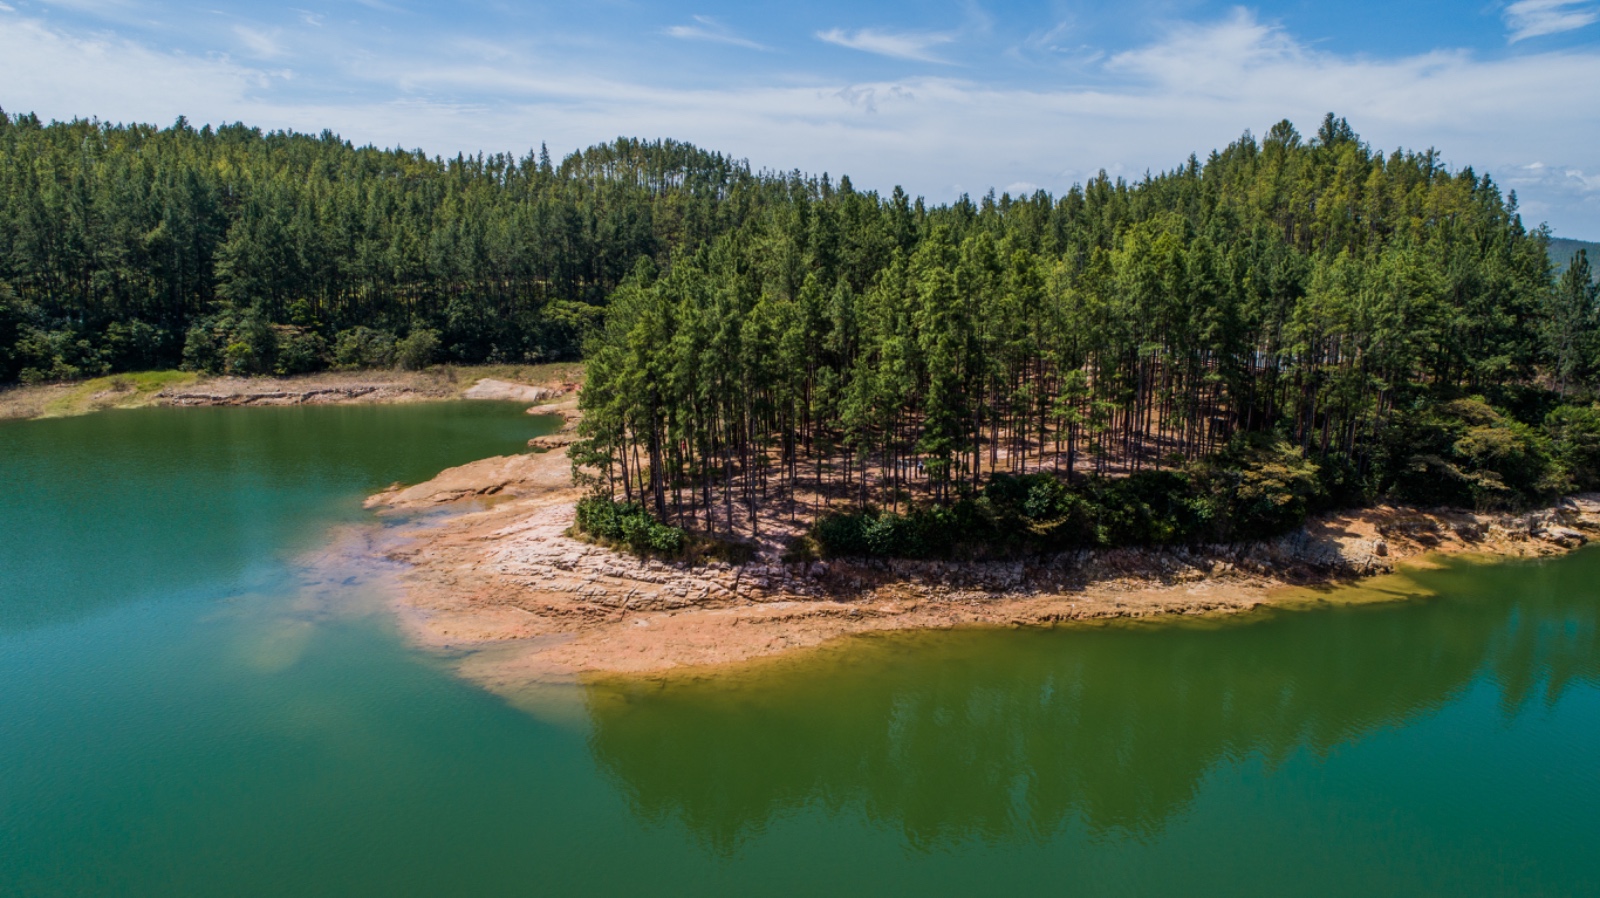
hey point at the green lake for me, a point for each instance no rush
(180, 715)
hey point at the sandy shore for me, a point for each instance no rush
(518, 383)
(500, 585)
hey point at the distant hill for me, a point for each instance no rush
(1562, 250)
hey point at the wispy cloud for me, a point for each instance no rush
(866, 97)
(709, 29)
(1536, 18)
(380, 6)
(98, 7)
(259, 43)
(1191, 88)
(916, 46)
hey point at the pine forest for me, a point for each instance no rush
(1212, 352)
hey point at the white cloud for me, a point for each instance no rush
(260, 44)
(916, 46)
(1536, 18)
(380, 6)
(63, 76)
(1194, 88)
(709, 29)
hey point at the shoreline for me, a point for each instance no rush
(515, 603)
(517, 383)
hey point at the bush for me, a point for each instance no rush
(136, 345)
(842, 534)
(418, 349)
(1260, 488)
(631, 525)
(301, 352)
(202, 348)
(1575, 434)
(364, 347)
(232, 343)
(1466, 452)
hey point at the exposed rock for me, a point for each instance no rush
(312, 396)
(513, 573)
(486, 477)
(553, 441)
(1565, 537)
(490, 388)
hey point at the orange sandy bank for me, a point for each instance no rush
(503, 583)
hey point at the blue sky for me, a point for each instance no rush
(941, 97)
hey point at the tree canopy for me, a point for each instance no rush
(129, 247)
(1310, 298)
(767, 346)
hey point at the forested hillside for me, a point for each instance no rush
(1290, 323)
(129, 247)
(1208, 353)
(1563, 251)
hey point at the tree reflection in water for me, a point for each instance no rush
(1006, 736)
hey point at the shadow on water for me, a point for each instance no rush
(1012, 737)
(116, 507)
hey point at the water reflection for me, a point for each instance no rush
(1006, 737)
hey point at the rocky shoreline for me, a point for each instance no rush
(530, 384)
(504, 588)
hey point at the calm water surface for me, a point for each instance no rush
(177, 717)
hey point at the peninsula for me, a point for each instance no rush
(809, 409)
(501, 582)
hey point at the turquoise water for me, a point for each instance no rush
(180, 716)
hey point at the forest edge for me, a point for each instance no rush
(489, 572)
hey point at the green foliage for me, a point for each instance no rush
(1569, 323)
(1264, 486)
(1574, 432)
(508, 260)
(364, 347)
(301, 351)
(232, 342)
(1465, 452)
(630, 525)
(1213, 352)
(136, 345)
(1207, 353)
(1259, 489)
(418, 349)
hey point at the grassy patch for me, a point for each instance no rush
(115, 391)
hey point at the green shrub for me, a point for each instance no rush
(135, 345)
(630, 525)
(1260, 488)
(232, 342)
(842, 534)
(1574, 432)
(1466, 452)
(301, 352)
(363, 347)
(418, 349)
